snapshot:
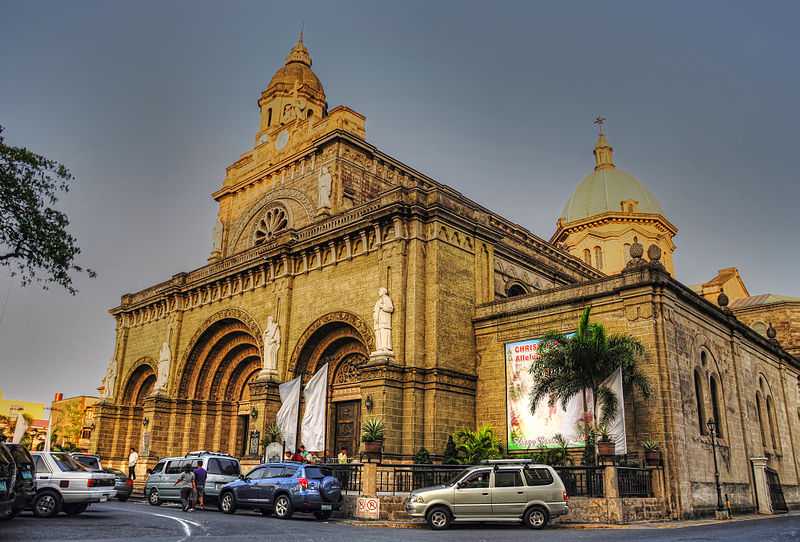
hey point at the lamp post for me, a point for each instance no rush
(712, 429)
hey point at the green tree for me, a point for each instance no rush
(475, 446)
(68, 423)
(569, 365)
(34, 241)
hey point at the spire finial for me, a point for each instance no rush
(603, 152)
(302, 27)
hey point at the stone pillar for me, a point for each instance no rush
(610, 484)
(369, 479)
(761, 488)
(657, 482)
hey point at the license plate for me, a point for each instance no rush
(104, 498)
(326, 507)
(26, 475)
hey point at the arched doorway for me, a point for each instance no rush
(343, 341)
(139, 385)
(222, 362)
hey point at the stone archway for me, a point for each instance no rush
(139, 384)
(223, 359)
(343, 341)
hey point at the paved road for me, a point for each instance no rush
(134, 521)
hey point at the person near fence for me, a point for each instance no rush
(342, 457)
(188, 487)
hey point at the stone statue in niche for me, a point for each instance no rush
(219, 229)
(110, 379)
(324, 185)
(382, 320)
(272, 342)
(288, 113)
(164, 360)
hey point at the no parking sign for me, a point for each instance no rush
(368, 508)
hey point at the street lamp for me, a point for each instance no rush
(712, 429)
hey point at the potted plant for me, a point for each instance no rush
(273, 433)
(372, 436)
(605, 446)
(652, 453)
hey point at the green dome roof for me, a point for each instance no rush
(603, 191)
(606, 188)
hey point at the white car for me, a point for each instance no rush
(64, 485)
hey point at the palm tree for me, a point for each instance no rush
(569, 365)
(475, 446)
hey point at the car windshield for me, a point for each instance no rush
(21, 456)
(457, 477)
(66, 463)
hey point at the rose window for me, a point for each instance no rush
(275, 221)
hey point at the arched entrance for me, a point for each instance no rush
(223, 360)
(139, 385)
(343, 341)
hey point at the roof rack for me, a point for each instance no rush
(198, 453)
(506, 461)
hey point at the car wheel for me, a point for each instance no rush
(283, 507)
(46, 504)
(536, 517)
(439, 518)
(75, 509)
(227, 503)
(153, 498)
(322, 515)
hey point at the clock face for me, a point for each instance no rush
(282, 140)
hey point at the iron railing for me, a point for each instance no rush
(348, 474)
(399, 478)
(582, 481)
(633, 482)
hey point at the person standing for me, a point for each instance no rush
(133, 458)
(200, 475)
(342, 458)
(188, 486)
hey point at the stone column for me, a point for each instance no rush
(369, 479)
(611, 492)
(761, 487)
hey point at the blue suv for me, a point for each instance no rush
(284, 488)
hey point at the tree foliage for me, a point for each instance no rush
(570, 364)
(34, 241)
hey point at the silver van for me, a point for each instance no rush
(160, 485)
(503, 491)
(63, 484)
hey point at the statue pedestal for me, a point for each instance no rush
(380, 358)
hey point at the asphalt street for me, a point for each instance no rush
(136, 521)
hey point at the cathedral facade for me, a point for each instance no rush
(327, 250)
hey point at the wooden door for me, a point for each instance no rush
(347, 427)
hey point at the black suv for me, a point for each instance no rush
(284, 488)
(25, 486)
(8, 477)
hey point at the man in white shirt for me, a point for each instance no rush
(132, 459)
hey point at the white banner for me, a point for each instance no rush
(289, 411)
(313, 425)
(19, 430)
(617, 426)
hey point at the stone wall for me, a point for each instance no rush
(625, 510)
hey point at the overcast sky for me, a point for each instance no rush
(148, 102)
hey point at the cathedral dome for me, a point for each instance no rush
(297, 70)
(606, 188)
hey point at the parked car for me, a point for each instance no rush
(284, 488)
(160, 485)
(503, 490)
(122, 483)
(25, 485)
(64, 485)
(8, 478)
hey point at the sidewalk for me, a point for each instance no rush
(666, 524)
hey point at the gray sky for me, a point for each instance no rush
(148, 102)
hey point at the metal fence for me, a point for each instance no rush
(582, 481)
(400, 478)
(348, 474)
(634, 482)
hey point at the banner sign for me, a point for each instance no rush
(528, 430)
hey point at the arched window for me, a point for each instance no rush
(761, 426)
(698, 397)
(587, 256)
(716, 409)
(310, 113)
(773, 425)
(269, 117)
(598, 257)
(515, 290)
